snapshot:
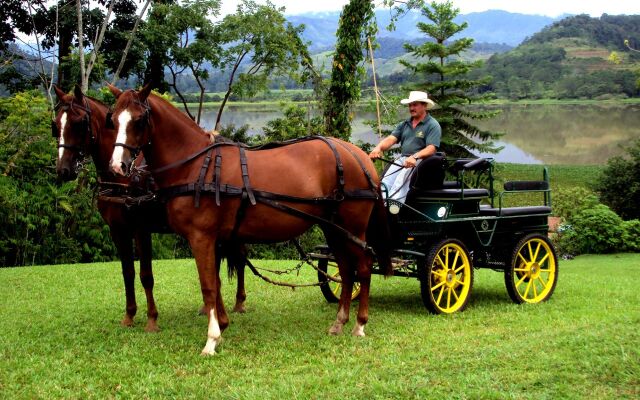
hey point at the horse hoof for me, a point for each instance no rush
(358, 331)
(127, 322)
(336, 329)
(239, 309)
(152, 327)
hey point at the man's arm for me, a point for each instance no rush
(385, 144)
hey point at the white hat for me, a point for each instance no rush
(422, 97)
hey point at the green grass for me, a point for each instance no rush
(60, 338)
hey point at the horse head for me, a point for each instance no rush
(72, 128)
(131, 120)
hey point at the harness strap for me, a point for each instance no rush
(203, 172)
(216, 178)
(339, 166)
(326, 223)
(245, 176)
(359, 161)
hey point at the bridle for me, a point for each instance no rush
(145, 119)
(86, 120)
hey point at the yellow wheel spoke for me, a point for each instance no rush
(437, 286)
(337, 290)
(455, 294)
(440, 296)
(521, 280)
(446, 257)
(449, 298)
(455, 259)
(535, 289)
(535, 256)
(526, 291)
(441, 273)
(440, 261)
(544, 258)
(530, 251)
(524, 260)
(461, 268)
(520, 269)
(544, 284)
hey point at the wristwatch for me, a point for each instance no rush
(415, 158)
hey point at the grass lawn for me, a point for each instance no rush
(60, 338)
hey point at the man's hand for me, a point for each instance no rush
(375, 153)
(410, 162)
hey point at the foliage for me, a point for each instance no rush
(357, 23)
(619, 183)
(296, 122)
(594, 230)
(631, 235)
(258, 44)
(571, 58)
(568, 201)
(448, 82)
(42, 223)
(185, 33)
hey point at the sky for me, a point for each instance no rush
(551, 8)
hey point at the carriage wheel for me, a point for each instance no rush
(532, 274)
(330, 289)
(446, 280)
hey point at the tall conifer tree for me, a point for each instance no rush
(446, 81)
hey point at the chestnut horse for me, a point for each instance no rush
(80, 128)
(268, 195)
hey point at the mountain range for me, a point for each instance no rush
(493, 26)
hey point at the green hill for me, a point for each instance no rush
(577, 57)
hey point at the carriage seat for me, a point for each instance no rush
(427, 181)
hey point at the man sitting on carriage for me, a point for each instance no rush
(419, 138)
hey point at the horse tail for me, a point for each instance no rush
(236, 254)
(379, 235)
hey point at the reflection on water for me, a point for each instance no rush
(549, 134)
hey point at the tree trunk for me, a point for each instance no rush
(132, 35)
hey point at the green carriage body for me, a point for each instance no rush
(446, 229)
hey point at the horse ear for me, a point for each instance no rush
(77, 92)
(59, 92)
(145, 91)
(114, 90)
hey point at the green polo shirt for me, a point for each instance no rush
(412, 140)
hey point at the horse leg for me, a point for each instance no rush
(241, 295)
(364, 277)
(345, 295)
(143, 243)
(236, 263)
(122, 240)
(204, 251)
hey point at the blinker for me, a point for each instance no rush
(109, 122)
(54, 129)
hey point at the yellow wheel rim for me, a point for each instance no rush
(450, 278)
(336, 288)
(534, 271)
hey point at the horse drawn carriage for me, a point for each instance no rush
(223, 193)
(446, 229)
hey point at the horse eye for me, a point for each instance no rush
(140, 123)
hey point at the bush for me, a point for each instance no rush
(631, 235)
(568, 202)
(619, 184)
(593, 230)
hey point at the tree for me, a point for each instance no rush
(187, 33)
(357, 23)
(447, 81)
(258, 43)
(619, 184)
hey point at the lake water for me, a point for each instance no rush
(534, 134)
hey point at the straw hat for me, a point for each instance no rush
(417, 96)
